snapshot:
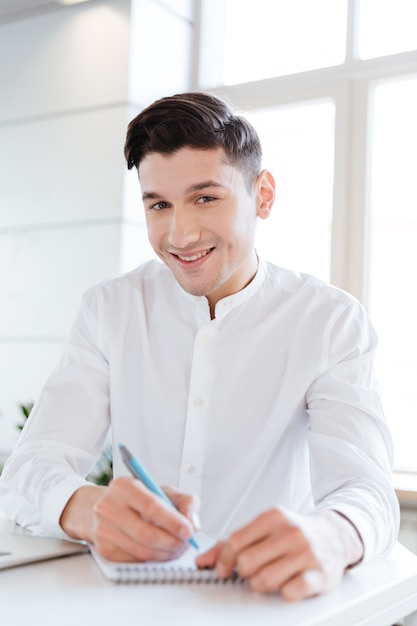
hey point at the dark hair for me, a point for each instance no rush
(197, 120)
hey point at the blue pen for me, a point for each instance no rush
(138, 471)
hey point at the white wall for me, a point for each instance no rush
(70, 213)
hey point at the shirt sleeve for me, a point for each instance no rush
(350, 445)
(65, 432)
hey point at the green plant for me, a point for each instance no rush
(103, 471)
(26, 409)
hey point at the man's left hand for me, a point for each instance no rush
(299, 555)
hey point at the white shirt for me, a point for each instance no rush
(272, 403)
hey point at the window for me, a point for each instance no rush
(386, 27)
(332, 89)
(393, 256)
(298, 146)
(285, 37)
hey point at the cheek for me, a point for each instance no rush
(245, 226)
(154, 232)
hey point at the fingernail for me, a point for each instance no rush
(315, 580)
(184, 533)
(195, 520)
(221, 570)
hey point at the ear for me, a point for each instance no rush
(265, 185)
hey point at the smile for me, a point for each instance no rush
(194, 257)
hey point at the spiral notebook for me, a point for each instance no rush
(181, 570)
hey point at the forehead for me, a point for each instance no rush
(186, 164)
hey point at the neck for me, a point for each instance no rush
(214, 298)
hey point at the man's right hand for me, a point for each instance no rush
(126, 522)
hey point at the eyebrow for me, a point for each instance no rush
(150, 195)
(204, 185)
(154, 195)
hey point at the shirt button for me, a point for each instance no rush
(191, 469)
(205, 337)
(198, 402)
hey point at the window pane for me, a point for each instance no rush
(387, 27)
(298, 147)
(278, 37)
(393, 258)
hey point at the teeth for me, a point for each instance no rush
(199, 255)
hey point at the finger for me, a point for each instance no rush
(121, 519)
(305, 585)
(272, 548)
(275, 575)
(132, 535)
(153, 509)
(236, 545)
(268, 537)
(141, 542)
(209, 558)
(226, 561)
(258, 529)
(187, 504)
(115, 545)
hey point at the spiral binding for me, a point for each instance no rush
(156, 575)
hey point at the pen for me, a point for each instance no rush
(138, 471)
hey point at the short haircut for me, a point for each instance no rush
(196, 120)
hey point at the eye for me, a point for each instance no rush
(205, 199)
(159, 205)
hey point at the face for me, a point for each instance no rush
(201, 219)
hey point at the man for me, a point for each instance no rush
(246, 386)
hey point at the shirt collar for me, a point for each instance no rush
(224, 306)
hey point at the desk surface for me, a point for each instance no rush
(71, 590)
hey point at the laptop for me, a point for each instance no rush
(20, 548)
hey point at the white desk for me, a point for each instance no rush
(71, 591)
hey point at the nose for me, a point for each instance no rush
(183, 228)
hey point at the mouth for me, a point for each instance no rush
(192, 258)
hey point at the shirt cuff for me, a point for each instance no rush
(368, 532)
(55, 504)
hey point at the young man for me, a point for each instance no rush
(246, 386)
